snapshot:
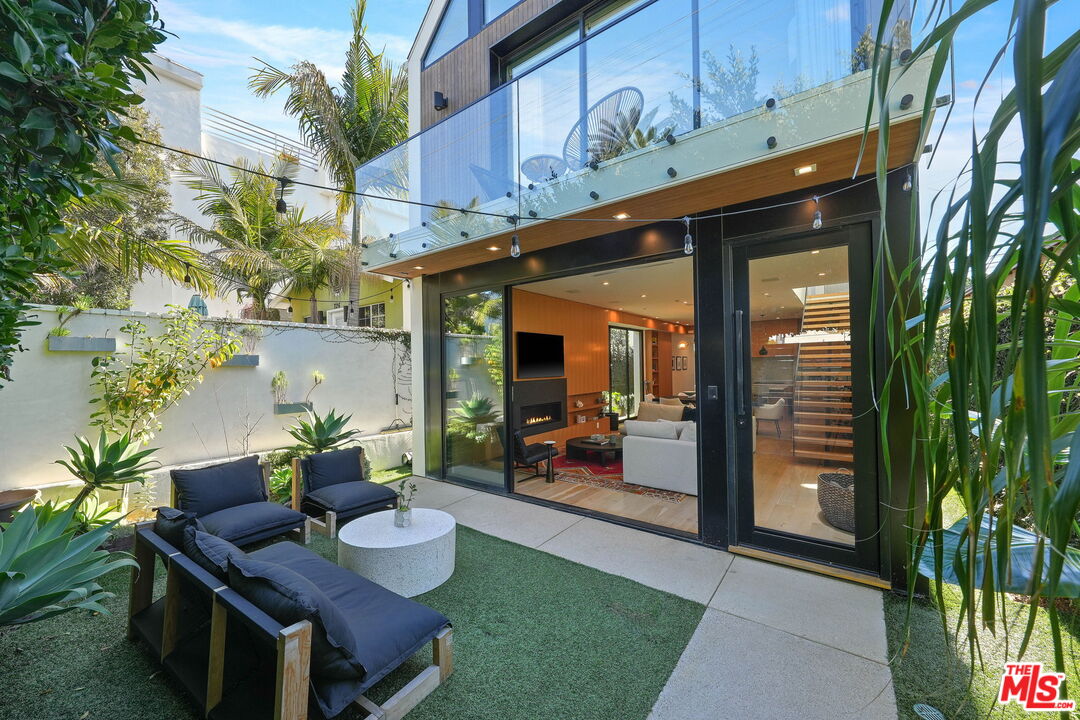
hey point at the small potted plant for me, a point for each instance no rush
(452, 377)
(250, 335)
(405, 492)
(61, 339)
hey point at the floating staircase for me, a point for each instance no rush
(822, 397)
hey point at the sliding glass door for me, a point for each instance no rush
(625, 357)
(474, 429)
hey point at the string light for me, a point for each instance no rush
(907, 182)
(187, 273)
(817, 213)
(281, 206)
(515, 246)
(688, 239)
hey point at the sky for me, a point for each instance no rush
(221, 38)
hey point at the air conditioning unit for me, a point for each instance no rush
(335, 316)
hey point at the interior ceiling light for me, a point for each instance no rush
(642, 296)
(821, 274)
(417, 267)
(605, 283)
(621, 216)
(494, 248)
(805, 169)
(814, 252)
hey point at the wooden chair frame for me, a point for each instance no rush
(292, 644)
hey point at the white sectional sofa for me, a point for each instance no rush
(661, 454)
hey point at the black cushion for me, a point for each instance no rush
(689, 413)
(331, 468)
(210, 552)
(171, 523)
(387, 628)
(536, 453)
(206, 490)
(289, 597)
(343, 497)
(253, 521)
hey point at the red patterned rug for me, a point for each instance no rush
(610, 476)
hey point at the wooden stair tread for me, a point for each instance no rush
(836, 442)
(823, 404)
(823, 383)
(824, 455)
(846, 429)
(831, 416)
(825, 371)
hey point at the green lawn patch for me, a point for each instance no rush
(535, 636)
(933, 670)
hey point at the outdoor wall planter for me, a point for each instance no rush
(292, 408)
(242, 361)
(69, 343)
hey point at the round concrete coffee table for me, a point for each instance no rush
(409, 560)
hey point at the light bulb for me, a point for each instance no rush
(515, 247)
(817, 219)
(688, 239)
(907, 183)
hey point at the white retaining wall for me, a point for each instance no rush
(231, 413)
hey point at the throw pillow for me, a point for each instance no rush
(665, 431)
(209, 489)
(210, 552)
(171, 523)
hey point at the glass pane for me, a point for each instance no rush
(495, 8)
(548, 106)
(800, 370)
(453, 29)
(530, 59)
(473, 383)
(609, 12)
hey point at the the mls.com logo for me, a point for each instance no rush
(1033, 689)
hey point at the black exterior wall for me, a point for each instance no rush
(855, 205)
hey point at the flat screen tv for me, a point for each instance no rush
(539, 355)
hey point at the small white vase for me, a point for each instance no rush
(403, 517)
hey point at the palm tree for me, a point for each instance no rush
(320, 262)
(346, 126)
(255, 244)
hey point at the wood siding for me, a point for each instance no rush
(464, 73)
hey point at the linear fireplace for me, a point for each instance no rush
(539, 406)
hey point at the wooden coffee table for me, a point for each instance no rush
(579, 448)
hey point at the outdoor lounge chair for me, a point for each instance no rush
(231, 501)
(277, 632)
(332, 487)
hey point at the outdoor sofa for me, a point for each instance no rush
(277, 633)
(331, 488)
(231, 500)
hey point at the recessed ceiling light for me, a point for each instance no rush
(417, 267)
(621, 216)
(684, 302)
(493, 248)
(620, 308)
(814, 252)
(643, 296)
(765, 294)
(821, 274)
(806, 169)
(605, 283)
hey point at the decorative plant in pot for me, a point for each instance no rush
(405, 492)
(471, 426)
(318, 434)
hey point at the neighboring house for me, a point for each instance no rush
(557, 146)
(383, 302)
(174, 101)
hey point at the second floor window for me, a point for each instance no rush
(372, 315)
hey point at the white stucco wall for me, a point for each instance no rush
(49, 400)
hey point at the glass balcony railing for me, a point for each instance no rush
(581, 128)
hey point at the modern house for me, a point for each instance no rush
(652, 222)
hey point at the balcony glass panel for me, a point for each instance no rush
(591, 116)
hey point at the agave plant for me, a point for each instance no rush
(107, 465)
(473, 418)
(45, 569)
(318, 433)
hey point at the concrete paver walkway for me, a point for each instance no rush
(774, 643)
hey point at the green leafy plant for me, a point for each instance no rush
(994, 284)
(319, 433)
(281, 479)
(106, 465)
(67, 80)
(66, 314)
(279, 386)
(46, 570)
(473, 419)
(134, 389)
(89, 515)
(405, 493)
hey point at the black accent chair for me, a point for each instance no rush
(531, 455)
(231, 500)
(280, 632)
(332, 487)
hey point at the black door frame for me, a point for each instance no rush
(864, 554)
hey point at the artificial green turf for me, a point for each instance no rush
(933, 670)
(535, 636)
(389, 475)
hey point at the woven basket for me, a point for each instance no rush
(836, 498)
